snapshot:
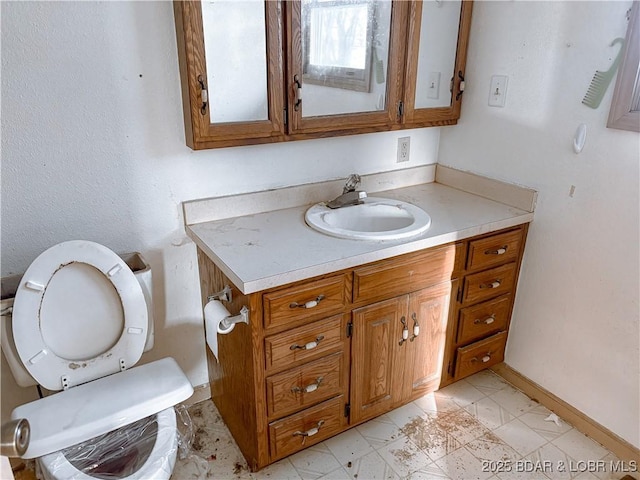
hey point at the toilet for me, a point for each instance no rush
(80, 322)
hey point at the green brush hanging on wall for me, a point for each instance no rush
(601, 80)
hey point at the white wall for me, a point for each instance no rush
(93, 148)
(575, 328)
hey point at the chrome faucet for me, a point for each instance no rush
(350, 196)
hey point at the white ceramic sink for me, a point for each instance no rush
(375, 219)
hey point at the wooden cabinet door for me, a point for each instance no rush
(232, 73)
(376, 366)
(436, 59)
(345, 65)
(429, 311)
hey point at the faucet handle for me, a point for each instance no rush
(352, 183)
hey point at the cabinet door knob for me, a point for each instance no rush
(298, 92)
(416, 327)
(405, 331)
(203, 95)
(307, 346)
(461, 86)
(309, 304)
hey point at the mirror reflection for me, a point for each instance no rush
(438, 45)
(235, 46)
(338, 41)
(345, 50)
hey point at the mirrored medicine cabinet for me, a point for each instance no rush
(256, 71)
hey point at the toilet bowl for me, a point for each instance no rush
(141, 453)
(79, 325)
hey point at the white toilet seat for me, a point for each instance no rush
(92, 323)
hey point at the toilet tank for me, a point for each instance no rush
(135, 261)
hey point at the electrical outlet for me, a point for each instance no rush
(403, 149)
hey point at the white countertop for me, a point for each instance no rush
(271, 249)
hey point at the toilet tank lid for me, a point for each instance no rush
(94, 408)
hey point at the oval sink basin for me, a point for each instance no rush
(375, 219)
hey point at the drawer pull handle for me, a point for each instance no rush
(484, 359)
(497, 251)
(309, 433)
(416, 327)
(312, 387)
(494, 284)
(307, 346)
(487, 321)
(405, 331)
(309, 304)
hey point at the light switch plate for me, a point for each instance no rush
(498, 91)
(433, 85)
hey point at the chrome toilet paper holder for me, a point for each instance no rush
(242, 317)
(225, 295)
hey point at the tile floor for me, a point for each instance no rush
(477, 428)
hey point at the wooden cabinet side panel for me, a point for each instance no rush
(237, 378)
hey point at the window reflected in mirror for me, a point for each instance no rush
(345, 50)
(338, 41)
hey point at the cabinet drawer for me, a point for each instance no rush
(405, 274)
(306, 302)
(483, 319)
(489, 283)
(494, 250)
(306, 428)
(288, 349)
(480, 355)
(305, 385)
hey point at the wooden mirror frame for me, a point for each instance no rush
(624, 113)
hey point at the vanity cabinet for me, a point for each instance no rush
(274, 77)
(322, 355)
